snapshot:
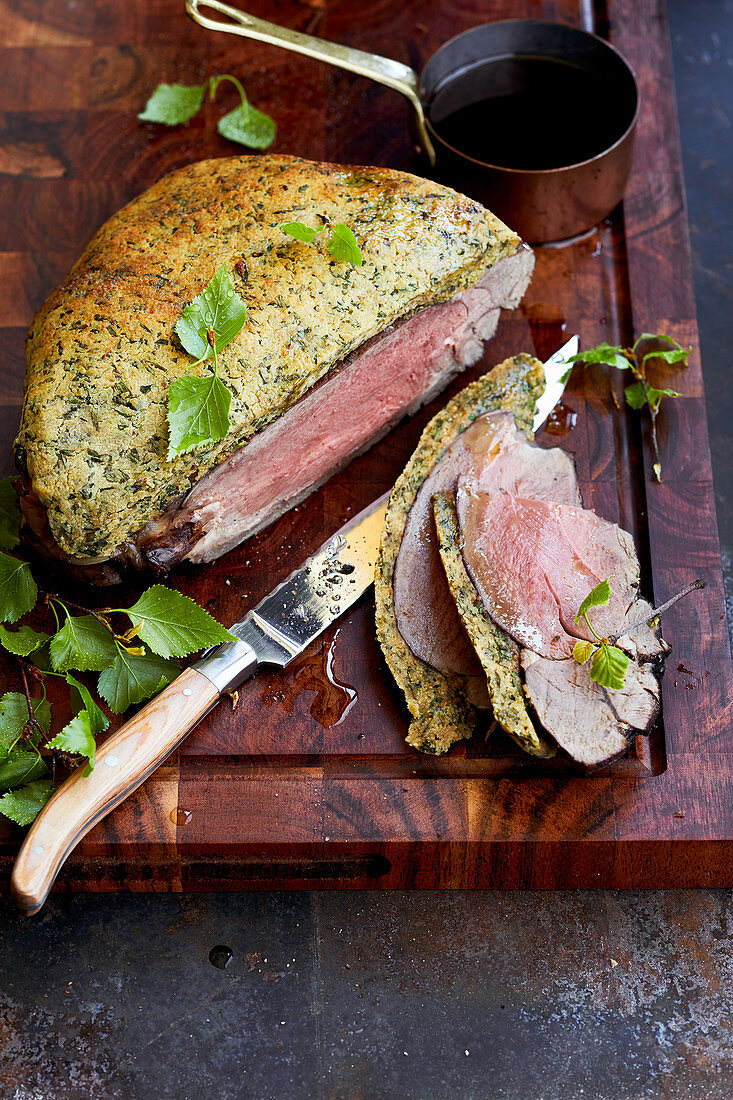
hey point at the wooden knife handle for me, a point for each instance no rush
(124, 761)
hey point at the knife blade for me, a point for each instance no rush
(557, 372)
(285, 622)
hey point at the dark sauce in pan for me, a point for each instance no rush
(530, 113)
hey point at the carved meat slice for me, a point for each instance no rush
(436, 699)
(592, 723)
(499, 654)
(533, 563)
(490, 454)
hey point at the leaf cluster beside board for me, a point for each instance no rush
(132, 662)
(636, 359)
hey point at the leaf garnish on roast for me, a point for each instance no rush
(608, 663)
(342, 243)
(198, 406)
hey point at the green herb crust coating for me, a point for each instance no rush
(497, 652)
(102, 353)
(435, 699)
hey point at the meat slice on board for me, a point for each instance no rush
(491, 453)
(592, 723)
(534, 562)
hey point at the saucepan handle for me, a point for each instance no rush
(124, 761)
(382, 69)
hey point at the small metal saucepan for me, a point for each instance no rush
(499, 66)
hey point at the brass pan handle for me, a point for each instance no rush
(382, 69)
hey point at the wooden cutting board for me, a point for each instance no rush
(308, 782)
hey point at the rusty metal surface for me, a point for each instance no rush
(367, 995)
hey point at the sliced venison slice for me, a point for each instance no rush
(498, 653)
(534, 562)
(490, 454)
(593, 724)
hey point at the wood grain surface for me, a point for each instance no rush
(308, 783)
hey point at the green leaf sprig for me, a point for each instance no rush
(174, 104)
(341, 243)
(640, 393)
(133, 650)
(610, 664)
(199, 405)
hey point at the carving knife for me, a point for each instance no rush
(557, 372)
(275, 632)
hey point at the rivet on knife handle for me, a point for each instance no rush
(124, 761)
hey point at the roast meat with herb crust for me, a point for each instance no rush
(320, 335)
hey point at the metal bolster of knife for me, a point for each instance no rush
(258, 642)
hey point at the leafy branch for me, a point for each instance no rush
(174, 104)
(640, 393)
(609, 664)
(133, 650)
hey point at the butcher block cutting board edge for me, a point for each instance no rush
(306, 784)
